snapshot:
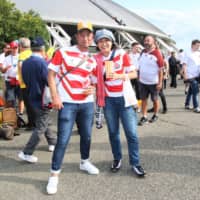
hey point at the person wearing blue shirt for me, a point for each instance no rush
(34, 73)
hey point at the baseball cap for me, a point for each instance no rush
(13, 44)
(37, 42)
(84, 25)
(104, 33)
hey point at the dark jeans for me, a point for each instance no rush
(42, 123)
(83, 115)
(193, 93)
(29, 109)
(114, 112)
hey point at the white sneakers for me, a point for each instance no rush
(52, 185)
(27, 158)
(87, 166)
(197, 110)
(51, 148)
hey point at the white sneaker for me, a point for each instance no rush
(197, 110)
(52, 185)
(51, 148)
(27, 158)
(86, 165)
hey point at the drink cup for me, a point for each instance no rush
(109, 67)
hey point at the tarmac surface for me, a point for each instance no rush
(169, 149)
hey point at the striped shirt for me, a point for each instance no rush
(71, 86)
(122, 64)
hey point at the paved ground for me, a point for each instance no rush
(170, 153)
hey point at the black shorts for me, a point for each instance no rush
(145, 90)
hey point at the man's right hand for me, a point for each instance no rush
(57, 103)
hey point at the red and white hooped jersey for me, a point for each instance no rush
(122, 64)
(149, 65)
(71, 86)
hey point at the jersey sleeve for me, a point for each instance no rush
(56, 61)
(127, 63)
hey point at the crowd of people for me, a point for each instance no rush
(78, 80)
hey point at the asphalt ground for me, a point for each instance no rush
(169, 149)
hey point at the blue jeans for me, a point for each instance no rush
(83, 115)
(193, 92)
(114, 111)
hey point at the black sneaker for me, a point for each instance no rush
(142, 121)
(164, 111)
(187, 107)
(153, 119)
(116, 165)
(139, 171)
(150, 110)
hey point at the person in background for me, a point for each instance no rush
(173, 69)
(110, 97)
(25, 53)
(6, 52)
(161, 92)
(10, 73)
(134, 55)
(191, 73)
(73, 97)
(165, 72)
(34, 74)
(150, 77)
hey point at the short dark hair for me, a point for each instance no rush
(181, 50)
(195, 42)
(134, 44)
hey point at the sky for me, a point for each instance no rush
(179, 19)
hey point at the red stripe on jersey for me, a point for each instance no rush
(115, 88)
(115, 59)
(78, 55)
(77, 97)
(73, 54)
(126, 60)
(79, 71)
(57, 58)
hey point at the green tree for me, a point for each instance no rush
(16, 24)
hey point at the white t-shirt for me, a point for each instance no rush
(135, 59)
(12, 71)
(2, 58)
(150, 63)
(181, 57)
(192, 61)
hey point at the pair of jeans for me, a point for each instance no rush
(115, 111)
(42, 126)
(193, 93)
(83, 115)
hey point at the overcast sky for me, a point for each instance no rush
(180, 19)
